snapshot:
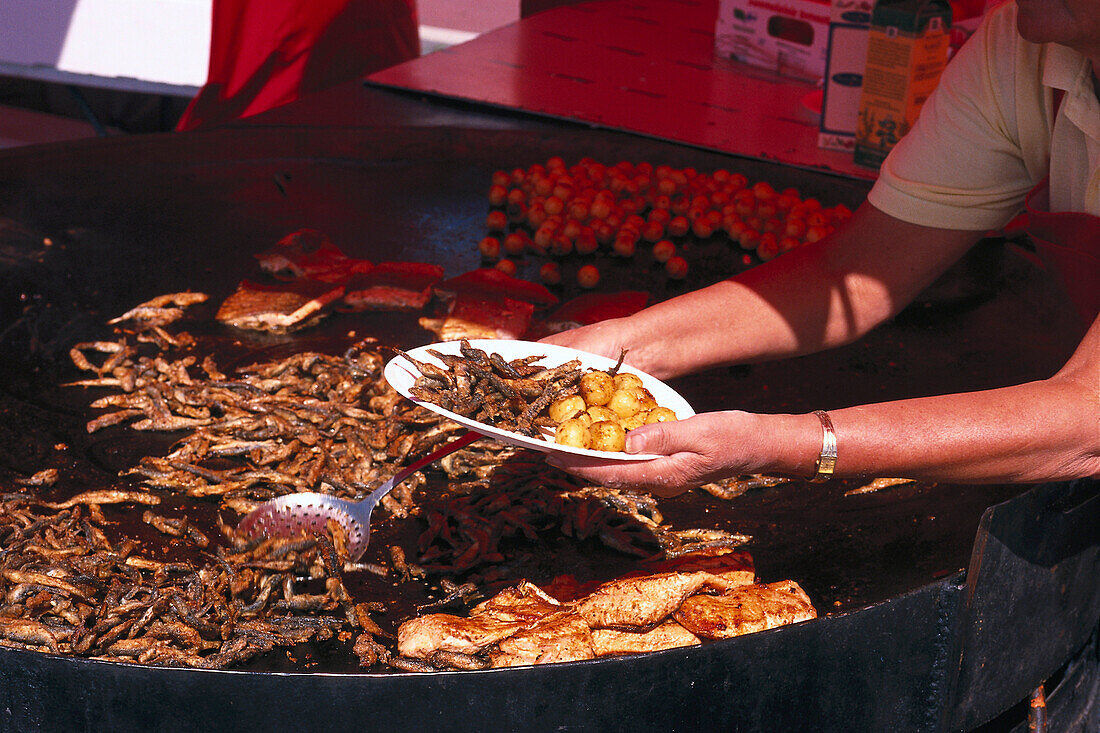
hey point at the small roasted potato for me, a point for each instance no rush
(584, 417)
(607, 436)
(660, 414)
(623, 380)
(565, 408)
(573, 433)
(596, 388)
(645, 397)
(601, 412)
(634, 421)
(625, 403)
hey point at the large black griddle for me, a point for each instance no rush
(946, 604)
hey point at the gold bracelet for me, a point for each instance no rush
(826, 462)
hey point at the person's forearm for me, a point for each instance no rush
(808, 299)
(1046, 430)
(739, 321)
(1039, 431)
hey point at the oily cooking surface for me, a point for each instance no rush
(154, 230)
(553, 557)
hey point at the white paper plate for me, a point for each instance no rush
(401, 374)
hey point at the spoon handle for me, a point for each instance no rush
(457, 444)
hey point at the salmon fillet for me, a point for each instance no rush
(560, 637)
(745, 610)
(668, 635)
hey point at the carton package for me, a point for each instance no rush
(907, 46)
(849, 21)
(788, 37)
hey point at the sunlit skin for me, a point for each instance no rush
(821, 296)
(828, 294)
(1073, 23)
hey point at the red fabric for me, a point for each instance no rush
(1069, 243)
(264, 53)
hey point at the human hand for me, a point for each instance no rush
(614, 336)
(606, 338)
(694, 451)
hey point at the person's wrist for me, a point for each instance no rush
(825, 464)
(796, 442)
(647, 347)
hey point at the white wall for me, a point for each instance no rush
(156, 46)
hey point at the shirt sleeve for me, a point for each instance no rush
(961, 166)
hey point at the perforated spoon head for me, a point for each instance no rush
(309, 513)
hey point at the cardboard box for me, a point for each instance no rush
(906, 53)
(785, 36)
(849, 22)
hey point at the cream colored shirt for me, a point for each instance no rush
(983, 138)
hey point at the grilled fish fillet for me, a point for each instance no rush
(560, 637)
(419, 637)
(278, 308)
(481, 319)
(745, 610)
(392, 286)
(668, 635)
(641, 602)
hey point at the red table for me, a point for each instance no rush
(647, 67)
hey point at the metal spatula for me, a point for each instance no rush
(310, 511)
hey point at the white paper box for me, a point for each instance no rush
(789, 37)
(847, 57)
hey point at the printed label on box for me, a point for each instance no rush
(906, 53)
(789, 37)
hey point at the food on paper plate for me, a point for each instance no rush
(610, 404)
(587, 409)
(606, 435)
(278, 308)
(510, 395)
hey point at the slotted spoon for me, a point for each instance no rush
(310, 511)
